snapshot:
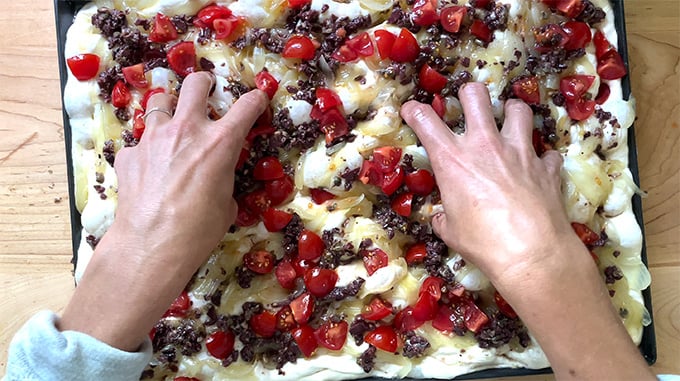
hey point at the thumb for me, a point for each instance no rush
(553, 162)
(440, 225)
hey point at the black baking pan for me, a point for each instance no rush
(64, 13)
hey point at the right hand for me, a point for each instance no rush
(502, 203)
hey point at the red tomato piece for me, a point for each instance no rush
(163, 30)
(425, 308)
(319, 196)
(377, 309)
(430, 80)
(449, 319)
(134, 75)
(302, 307)
(602, 93)
(84, 66)
(385, 41)
(452, 18)
(182, 58)
(587, 235)
(334, 125)
(138, 125)
(527, 89)
(420, 182)
(220, 344)
(327, 99)
(229, 29)
(439, 105)
(503, 306)
(580, 109)
(275, 220)
(416, 253)
(424, 12)
(263, 130)
(402, 204)
(370, 173)
(267, 83)
(480, 30)
(305, 340)
(298, 3)
(570, 8)
(259, 261)
(345, 54)
(332, 335)
(383, 337)
(120, 96)
(404, 321)
(285, 320)
(179, 306)
(405, 47)
(257, 202)
(244, 216)
(392, 181)
(299, 47)
(302, 265)
(387, 158)
(279, 190)
(433, 286)
(285, 274)
(579, 35)
(263, 324)
(207, 15)
(475, 319)
(320, 282)
(610, 66)
(361, 44)
(374, 260)
(148, 95)
(480, 3)
(548, 37)
(310, 245)
(602, 45)
(539, 143)
(573, 87)
(268, 168)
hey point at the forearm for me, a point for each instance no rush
(582, 335)
(124, 292)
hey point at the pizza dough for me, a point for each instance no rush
(355, 219)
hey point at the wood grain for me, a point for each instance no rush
(35, 247)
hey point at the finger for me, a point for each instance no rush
(193, 99)
(428, 126)
(440, 226)
(479, 120)
(518, 125)
(236, 123)
(159, 109)
(553, 162)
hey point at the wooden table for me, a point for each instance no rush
(35, 246)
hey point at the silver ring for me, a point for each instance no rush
(156, 109)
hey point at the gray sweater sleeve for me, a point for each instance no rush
(41, 352)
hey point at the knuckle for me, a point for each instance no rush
(515, 106)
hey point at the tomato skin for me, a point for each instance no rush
(279, 190)
(433, 286)
(602, 93)
(579, 35)
(377, 309)
(405, 48)
(430, 80)
(503, 306)
(268, 168)
(420, 182)
(182, 58)
(319, 196)
(310, 245)
(549, 37)
(299, 47)
(452, 18)
(285, 320)
(374, 260)
(259, 261)
(134, 75)
(570, 8)
(179, 306)
(163, 30)
(327, 99)
(449, 319)
(425, 308)
(480, 30)
(527, 89)
(286, 274)
(361, 44)
(424, 13)
(320, 282)
(404, 320)
(257, 202)
(263, 324)
(383, 337)
(305, 340)
(207, 15)
(259, 130)
(275, 220)
(138, 125)
(334, 125)
(147, 95)
(387, 158)
(120, 96)
(439, 105)
(392, 181)
(220, 344)
(481, 3)
(610, 66)
(385, 41)
(298, 3)
(84, 66)
(267, 83)
(302, 265)
(332, 335)
(585, 234)
(475, 319)
(573, 87)
(302, 307)
(602, 45)
(416, 254)
(370, 174)
(244, 216)
(580, 109)
(345, 54)
(402, 204)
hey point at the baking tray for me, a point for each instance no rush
(66, 9)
